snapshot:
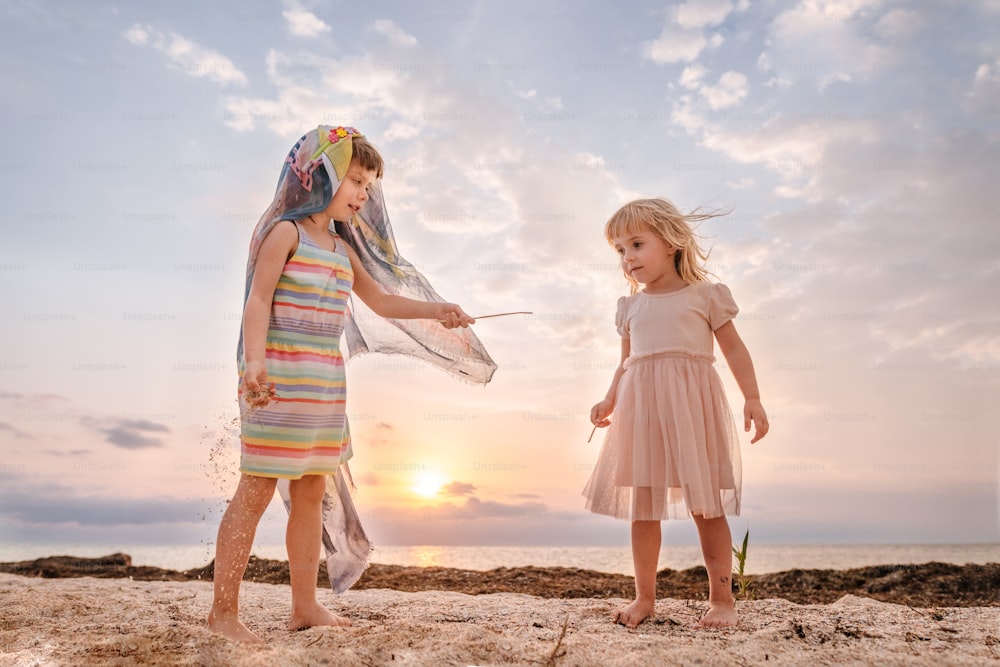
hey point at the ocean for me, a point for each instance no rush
(760, 559)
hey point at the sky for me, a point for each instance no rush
(856, 144)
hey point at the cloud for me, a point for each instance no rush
(380, 434)
(55, 418)
(692, 75)
(683, 37)
(674, 45)
(703, 13)
(458, 489)
(729, 91)
(547, 104)
(33, 401)
(311, 88)
(128, 433)
(472, 509)
(137, 35)
(303, 23)
(396, 35)
(131, 439)
(901, 23)
(819, 44)
(16, 432)
(475, 508)
(791, 145)
(983, 97)
(186, 56)
(369, 479)
(879, 513)
(40, 507)
(854, 185)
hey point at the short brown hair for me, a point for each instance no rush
(366, 155)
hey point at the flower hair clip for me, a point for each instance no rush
(338, 133)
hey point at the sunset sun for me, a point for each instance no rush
(428, 483)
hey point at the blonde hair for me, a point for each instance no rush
(662, 218)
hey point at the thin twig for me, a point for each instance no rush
(516, 312)
(551, 661)
(594, 430)
(483, 317)
(187, 597)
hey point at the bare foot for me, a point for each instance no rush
(315, 615)
(230, 627)
(635, 613)
(720, 615)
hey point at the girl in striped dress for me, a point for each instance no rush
(301, 275)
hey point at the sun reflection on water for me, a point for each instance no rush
(429, 556)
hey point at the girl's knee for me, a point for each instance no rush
(307, 489)
(257, 488)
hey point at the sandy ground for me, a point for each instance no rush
(87, 621)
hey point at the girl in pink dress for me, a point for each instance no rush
(672, 449)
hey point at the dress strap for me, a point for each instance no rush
(303, 236)
(339, 246)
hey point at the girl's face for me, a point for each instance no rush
(352, 193)
(646, 257)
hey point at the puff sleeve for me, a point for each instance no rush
(721, 306)
(620, 322)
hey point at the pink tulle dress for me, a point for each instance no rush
(672, 448)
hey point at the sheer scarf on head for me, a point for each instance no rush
(309, 178)
(305, 188)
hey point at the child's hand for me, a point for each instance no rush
(753, 411)
(451, 315)
(256, 391)
(599, 413)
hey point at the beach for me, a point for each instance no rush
(111, 617)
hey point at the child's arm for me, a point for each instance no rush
(599, 413)
(274, 252)
(740, 363)
(400, 307)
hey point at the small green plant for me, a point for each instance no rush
(742, 580)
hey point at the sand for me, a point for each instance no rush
(87, 621)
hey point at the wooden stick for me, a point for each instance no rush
(517, 312)
(592, 434)
(483, 317)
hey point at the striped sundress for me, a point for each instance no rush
(304, 431)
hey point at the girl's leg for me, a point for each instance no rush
(645, 557)
(232, 551)
(303, 540)
(717, 548)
